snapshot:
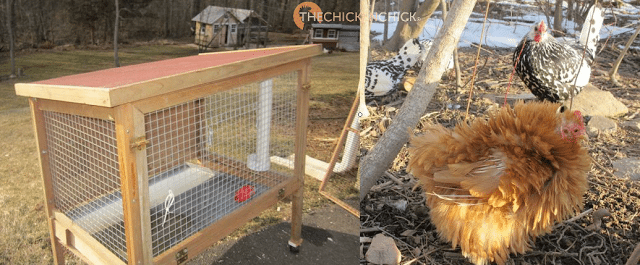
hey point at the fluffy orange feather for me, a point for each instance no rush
(495, 184)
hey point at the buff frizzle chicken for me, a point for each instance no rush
(493, 185)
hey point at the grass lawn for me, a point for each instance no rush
(24, 237)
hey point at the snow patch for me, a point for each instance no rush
(507, 32)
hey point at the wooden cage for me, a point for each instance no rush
(153, 163)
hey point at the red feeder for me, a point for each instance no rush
(244, 193)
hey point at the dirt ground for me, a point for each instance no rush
(572, 242)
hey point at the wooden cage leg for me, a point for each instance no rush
(296, 220)
(41, 142)
(302, 116)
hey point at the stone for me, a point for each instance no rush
(592, 101)
(599, 124)
(513, 98)
(627, 167)
(383, 250)
(633, 125)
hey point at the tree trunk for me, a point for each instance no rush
(9, 11)
(456, 63)
(557, 18)
(166, 18)
(614, 71)
(386, 21)
(406, 30)
(115, 36)
(283, 15)
(381, 156)
(365, 29)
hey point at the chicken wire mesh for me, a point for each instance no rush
(209, 156)
(83, 162)
(205, 158)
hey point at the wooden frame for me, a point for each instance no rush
(334, 159)
(126, 105)
(174, 75)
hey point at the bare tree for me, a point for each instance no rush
(557, 17)
(365, 29)
(546, 10)
(410, 29)
(9, 12)
(167, 17)
(381, 156)
(115, 36)
(614, 71)
(386, 21)
(456, 62)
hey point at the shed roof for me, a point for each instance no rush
(211, 14)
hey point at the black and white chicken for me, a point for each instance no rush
(382, 77)
(426, 46)
(552, 68)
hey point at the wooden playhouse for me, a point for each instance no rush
(153, 163)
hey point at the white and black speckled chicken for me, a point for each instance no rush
(382, 77)
(426, 46)
(551, 68)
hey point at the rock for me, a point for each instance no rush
(401, 205)
(383, 250)
(627, 167)
(513, 98)
(599, 124)
(592, 102)
(488, 84)
(633, 125)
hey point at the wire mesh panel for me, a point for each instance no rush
(209, 156)
(85, 175)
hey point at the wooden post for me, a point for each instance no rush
(134, 190)
(143, 184)
(302, 115)
(43, 156)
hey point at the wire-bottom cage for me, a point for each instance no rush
(150, 180)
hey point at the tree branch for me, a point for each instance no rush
(614, 71)
(381, 156)
(412, 29)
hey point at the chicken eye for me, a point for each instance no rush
(561, 109)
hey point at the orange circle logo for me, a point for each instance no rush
(306, 11)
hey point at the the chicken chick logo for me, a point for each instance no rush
(307, 12)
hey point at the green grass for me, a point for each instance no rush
(334, 76)
(50, 64)
(24, 235)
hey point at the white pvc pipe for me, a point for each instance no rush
(180, 182)
(260, 160)
(351, 148)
